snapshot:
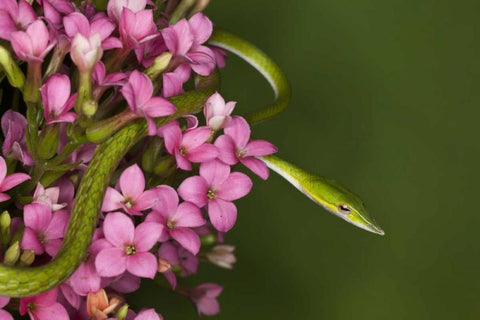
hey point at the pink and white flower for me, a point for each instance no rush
(133, 197)
(138, 92)
(177, 219)
(216, 188)
(33, 44)
(235, 146)
(57, 101)
(217, 112)
(129, 249)
(191, 146)
(10, 181)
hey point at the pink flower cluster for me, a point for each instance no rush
(86, 67)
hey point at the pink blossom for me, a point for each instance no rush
(14, 17)
(44, 230)
(115, 7)
(102, 79)
(177, 219)
(149, 50)
(130, 247)
(148, 314)
(235, 145)
(10, 181)
(43, 307)
(133, 199)
(54, 10)
(76, 23)
(184, 40)
(138, 92)
(86, 51)
(48, 196)
(136, 27)
(205, 298)
(177, 256)
(216, 188)
(217, 112)
(33, 44)
(173, 81)
(57, 100)
(191, 146)
(4, 315)
(15, 145)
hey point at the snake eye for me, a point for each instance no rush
(343, 208)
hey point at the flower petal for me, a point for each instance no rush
(223, 214)
(111, 262)
(132, 182)
(235, 187)
(142, 264)
(13, 180)
(257, 166)
(239, 131)
(112, 200)
(259, 148)
(188, 215)
(214, 172)
(194, 189)
(118, 229)
(187, 238)
(146, 235)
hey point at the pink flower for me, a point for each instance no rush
(43, 307)
(133, 199)
(188, 147)
(57, 100)
(235, 145)
(43, 230)
(184, 40)
(217, 112)
(148, 314)
(115, 7)
(77, 23)
(130, 247)
(15, 145)
(4, 315)
(138, 92)
(14, 17)
(177, 219)
(205, 298)
(86, 51)
(48, 196)
(102, 79)
(33, 44)
(136, 27)
(177, 256)
(10, 181)
(216, 187)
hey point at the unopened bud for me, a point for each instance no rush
(222, 256)
(159, 65)
(208, 240)
(26, 258)
(165, 166)
(12, 254)
(5, 223)
(181, 10)
(121, 314)
(199, 6)
(151, 154)
(164, 265)
(90, 108)
(14, 75)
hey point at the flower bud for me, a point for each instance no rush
(86, 52)
(89, 108)
(12, 254)
(26, 258)
(164, 265)
(14, 75)
(159, 65)
(121, 314)
(5, 223)
(165, 166)
(208, 240)
(222, 256)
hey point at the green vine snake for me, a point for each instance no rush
(19, 282)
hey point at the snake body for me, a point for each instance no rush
(20, 282)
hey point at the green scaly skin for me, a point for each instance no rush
(20, 282)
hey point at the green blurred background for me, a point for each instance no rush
(385, 100)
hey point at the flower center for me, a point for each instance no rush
(31, 306)
(129, 203)
(170, 224)
(130, 250)
(41, 238)
(183, 152)
(240, 153)
(211, 194)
